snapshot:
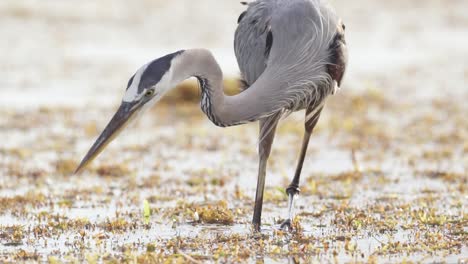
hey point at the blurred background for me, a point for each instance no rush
(81, 52)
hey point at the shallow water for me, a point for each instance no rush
(402, 198)
(348, 211)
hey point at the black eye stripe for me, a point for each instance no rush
(130, 81)
(155, 71)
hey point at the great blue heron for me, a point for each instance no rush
(292, 55)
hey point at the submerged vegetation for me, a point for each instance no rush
(384, 180)
(187, 195)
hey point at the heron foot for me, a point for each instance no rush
(286, 225)
(292, 191)
(256, 227)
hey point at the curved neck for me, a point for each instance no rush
(221, 109)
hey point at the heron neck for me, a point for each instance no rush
(221, 109)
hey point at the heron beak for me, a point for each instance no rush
(119, 121)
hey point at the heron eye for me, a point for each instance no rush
(149, 93)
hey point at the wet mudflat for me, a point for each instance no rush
(386, 183)
(384, 180)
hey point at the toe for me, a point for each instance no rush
(286, 225)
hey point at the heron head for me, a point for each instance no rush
(144, 89)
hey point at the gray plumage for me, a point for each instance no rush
(302, 32)
(292, 55)
(292, 75)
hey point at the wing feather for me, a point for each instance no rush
(286, 47)
(250, 40)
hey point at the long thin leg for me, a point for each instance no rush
(293, 188)
(267, 135)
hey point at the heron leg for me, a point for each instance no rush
(293, 189)
(267, 135)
